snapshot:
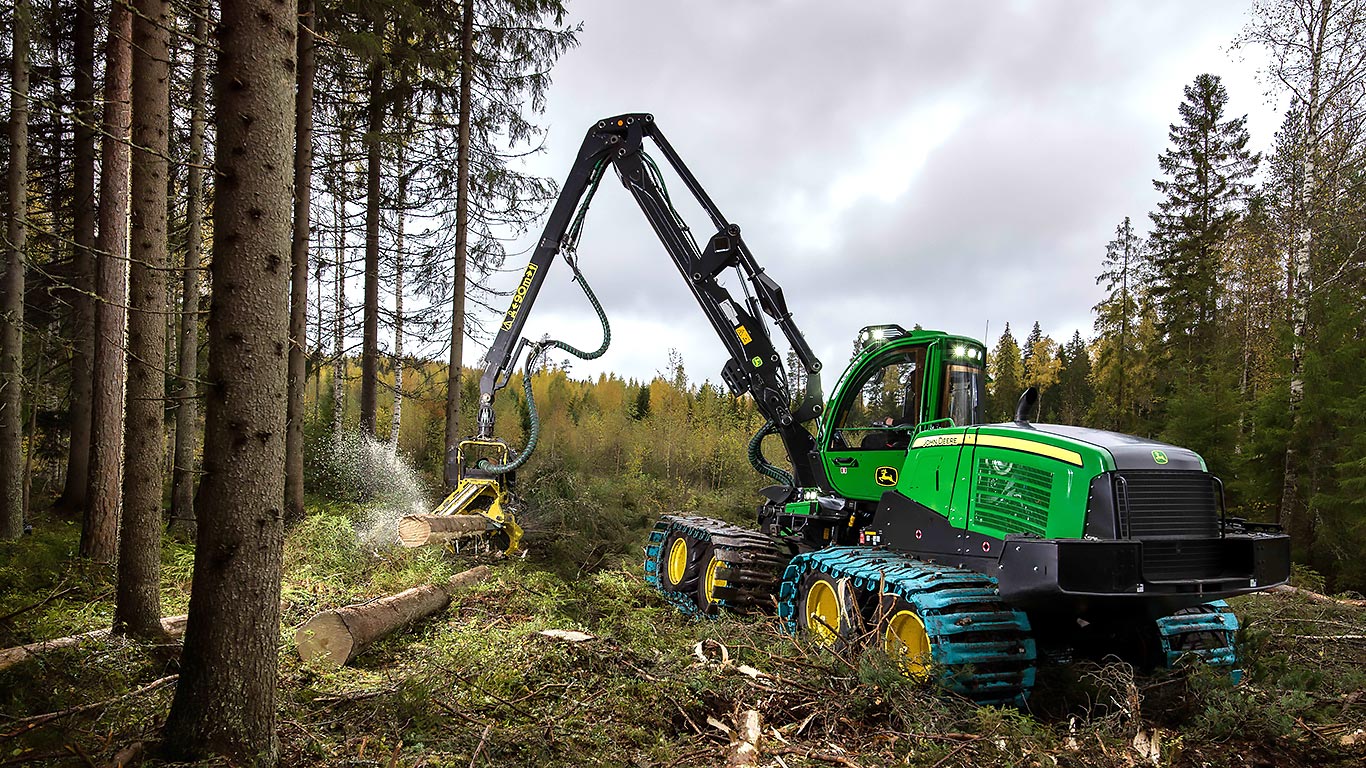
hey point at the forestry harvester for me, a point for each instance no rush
(968, 551)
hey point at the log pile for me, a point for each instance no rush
(421, 530)
(336, 636)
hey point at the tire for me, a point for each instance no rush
(901, 634)
(712, 574)
(827, 611)
(678, 560)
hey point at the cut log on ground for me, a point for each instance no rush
(1315, 597)
(173, 626)
(336, 636)
(421, 530)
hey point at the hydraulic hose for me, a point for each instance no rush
(760, 464)
(537, 350)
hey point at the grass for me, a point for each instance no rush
(479, 685)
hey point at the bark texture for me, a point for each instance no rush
(396, 425)
(99, 534)
(298, 283)
(12, 287)
(83, 257)
(335, 637)
(187, 406)
(462, 215)
(369, 356)
(225, 701)
(137, 604)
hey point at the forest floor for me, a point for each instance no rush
(479, 685)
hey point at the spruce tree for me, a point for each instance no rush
(1206, 177)
(1007, 372)
(1075, 394)
(1116, 315)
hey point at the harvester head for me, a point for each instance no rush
(481, 508)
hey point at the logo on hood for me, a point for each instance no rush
(1159, 457)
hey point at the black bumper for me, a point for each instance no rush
(1155, 576)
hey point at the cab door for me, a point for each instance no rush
(879, 412)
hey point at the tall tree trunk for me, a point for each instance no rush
(99, 534)
(396, 425)
(83, 258)
(369, 356)
(187, 405)
(298, 288)
(137, 601)
(339, 300)
(35, 393)
(12, 286)
(462, 211)
(225, 701)
(1301, 285)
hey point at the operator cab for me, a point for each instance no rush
(899, 383)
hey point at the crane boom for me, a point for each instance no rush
(754, 366)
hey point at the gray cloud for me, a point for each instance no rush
(942, 163)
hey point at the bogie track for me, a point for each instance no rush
(946, 623)
(1205, 632)
(701, 565)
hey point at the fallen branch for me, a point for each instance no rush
(339, 635)
(174, 626)
(1315, 597)
(38, 604)
(29, 723)
(811, 754)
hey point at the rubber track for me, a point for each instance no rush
(1207, 634)
(751, 563)
(982, 647)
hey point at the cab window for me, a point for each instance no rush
(886, 409)
(964, 393)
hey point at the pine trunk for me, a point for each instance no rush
(462, 210)
(12, 287)
(99, 536)
(339, 300)
(137, 604)
(83, 258)
(187, 407)
(397, 424)
(369, 356)
(298, 287)
(225, 701)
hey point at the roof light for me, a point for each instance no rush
(877, 334)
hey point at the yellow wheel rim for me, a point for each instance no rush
(678, 560)
(709, 580)
(907, 641)
(823, 612)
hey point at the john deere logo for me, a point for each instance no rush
(756, 361)
(886, 476)
(1159, 457)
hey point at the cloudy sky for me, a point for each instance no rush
(955, 164)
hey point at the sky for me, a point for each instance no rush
(958, 165)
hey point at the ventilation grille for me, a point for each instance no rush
(1012, 498)
(1158, 503)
